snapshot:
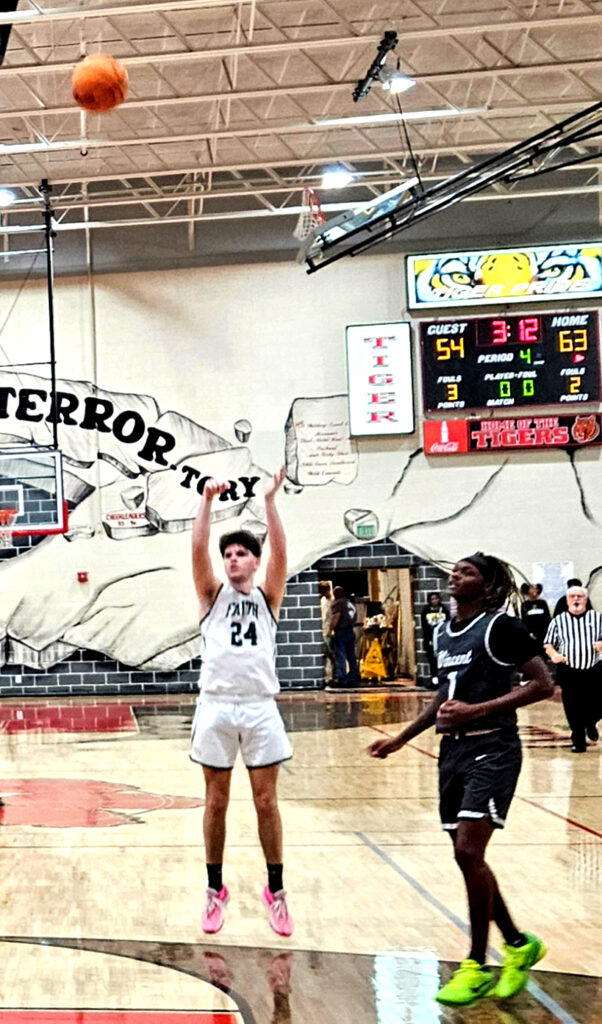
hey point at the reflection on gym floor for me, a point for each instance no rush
(103, 872)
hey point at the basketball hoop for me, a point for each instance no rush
(311, 215)
(7, 518)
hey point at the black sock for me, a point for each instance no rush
(214, 877)
(520, 940)
(274, 877)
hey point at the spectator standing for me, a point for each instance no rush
(432, 614)
(535, 613)
(326, 601)
(341, 630)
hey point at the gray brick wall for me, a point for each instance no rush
(89, 673)
(427, 579)
(299, 661)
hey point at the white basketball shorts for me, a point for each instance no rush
(219, 730)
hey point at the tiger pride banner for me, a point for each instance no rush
(487, 276)
(455, 437)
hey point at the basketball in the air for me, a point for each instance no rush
(99, 83)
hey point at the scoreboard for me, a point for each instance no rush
(499, 362)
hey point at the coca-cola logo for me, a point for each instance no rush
(445, 447)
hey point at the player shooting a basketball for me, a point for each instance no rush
(236, 708)
(480, 758)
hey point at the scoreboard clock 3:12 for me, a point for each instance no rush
(496, 362)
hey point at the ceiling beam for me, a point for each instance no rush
(185, 56)
(79, 13)
(111, 10)
(279, 131)
(300, 90)
(314, 160)
(288, 211)
(311, 43)
(369, 179)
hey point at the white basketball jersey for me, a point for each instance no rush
(238, 647)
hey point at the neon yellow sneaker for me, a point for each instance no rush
(515, 966)
(469, 983)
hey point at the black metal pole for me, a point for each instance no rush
(49, 234)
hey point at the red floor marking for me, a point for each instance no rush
(62, 718)
(570, 821)
(116, 1017)
(81, 803)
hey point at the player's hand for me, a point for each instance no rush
(275, 483)
(454, 713)
(214, 487)
(382, 748)
(598, 646)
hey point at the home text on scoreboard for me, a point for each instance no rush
(496, 362)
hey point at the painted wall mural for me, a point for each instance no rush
(149, 470)
(271, 389)
(532, 273)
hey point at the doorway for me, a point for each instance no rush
(384, 622)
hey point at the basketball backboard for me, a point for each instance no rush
(31, 482)
(325, 239)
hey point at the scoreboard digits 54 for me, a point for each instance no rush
(495, 362)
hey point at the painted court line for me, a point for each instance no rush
(562, 1015)
(563, 817)
(522, 799)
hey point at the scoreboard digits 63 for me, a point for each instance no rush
(492, 362)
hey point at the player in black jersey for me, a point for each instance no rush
(480, 757)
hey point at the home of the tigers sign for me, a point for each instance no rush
(445, 437)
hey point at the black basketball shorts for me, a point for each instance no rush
(477, 777)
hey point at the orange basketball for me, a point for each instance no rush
(99, 83)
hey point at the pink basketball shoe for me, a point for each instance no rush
(213, 915)
(280, 919)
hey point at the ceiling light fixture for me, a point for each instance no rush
(336, 177)
(393, 80)
(6, 198)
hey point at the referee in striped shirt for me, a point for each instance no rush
(574, 643)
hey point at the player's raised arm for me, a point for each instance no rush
(205, 581)
(275, 577)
